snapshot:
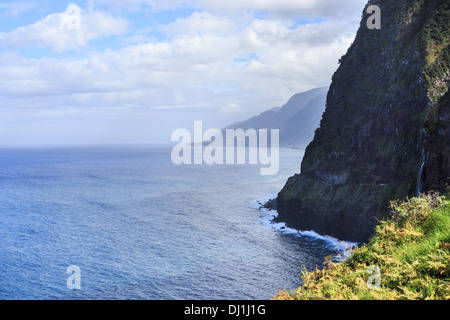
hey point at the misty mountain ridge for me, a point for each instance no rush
(297, 120)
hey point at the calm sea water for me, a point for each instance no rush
(139, 227)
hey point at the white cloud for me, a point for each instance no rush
(15, 8)
(212, 66)
(68, 30)
(201, 23)
(192, 63)
(287, 7)
(302, 8)
(135, 5)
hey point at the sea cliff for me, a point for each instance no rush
(385, 133)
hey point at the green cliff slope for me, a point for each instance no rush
(408, 258)
(387, 114)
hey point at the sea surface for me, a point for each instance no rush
(139, 227)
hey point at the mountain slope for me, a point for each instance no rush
(297, 119)
(407, 259)
(385, 117)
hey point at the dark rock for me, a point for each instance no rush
(383, 120)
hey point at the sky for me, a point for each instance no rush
(131, 72)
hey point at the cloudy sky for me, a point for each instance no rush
(118, 72)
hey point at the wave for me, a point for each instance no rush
(279, 178)
(343, 248)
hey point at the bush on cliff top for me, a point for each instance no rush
(411, 251)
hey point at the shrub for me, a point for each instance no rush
(411, 250)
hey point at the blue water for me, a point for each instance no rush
(139, 227)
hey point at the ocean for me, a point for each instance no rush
(139, 227)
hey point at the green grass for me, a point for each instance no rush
(411, 251)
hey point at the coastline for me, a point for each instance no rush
(267, 205)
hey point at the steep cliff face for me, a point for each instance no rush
(385, 117)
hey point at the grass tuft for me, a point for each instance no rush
(407, 259)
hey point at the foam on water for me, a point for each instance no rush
(343, 248)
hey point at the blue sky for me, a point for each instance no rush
(117, 72)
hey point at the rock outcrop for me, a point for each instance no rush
(387, 114)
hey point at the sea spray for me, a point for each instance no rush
(343, 248)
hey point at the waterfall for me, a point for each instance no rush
(420, 180)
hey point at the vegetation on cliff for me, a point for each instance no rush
(385, 135)
(386, 121)
(407, 259)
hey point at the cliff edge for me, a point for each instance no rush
(385, 133)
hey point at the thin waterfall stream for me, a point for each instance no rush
(420, 180)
